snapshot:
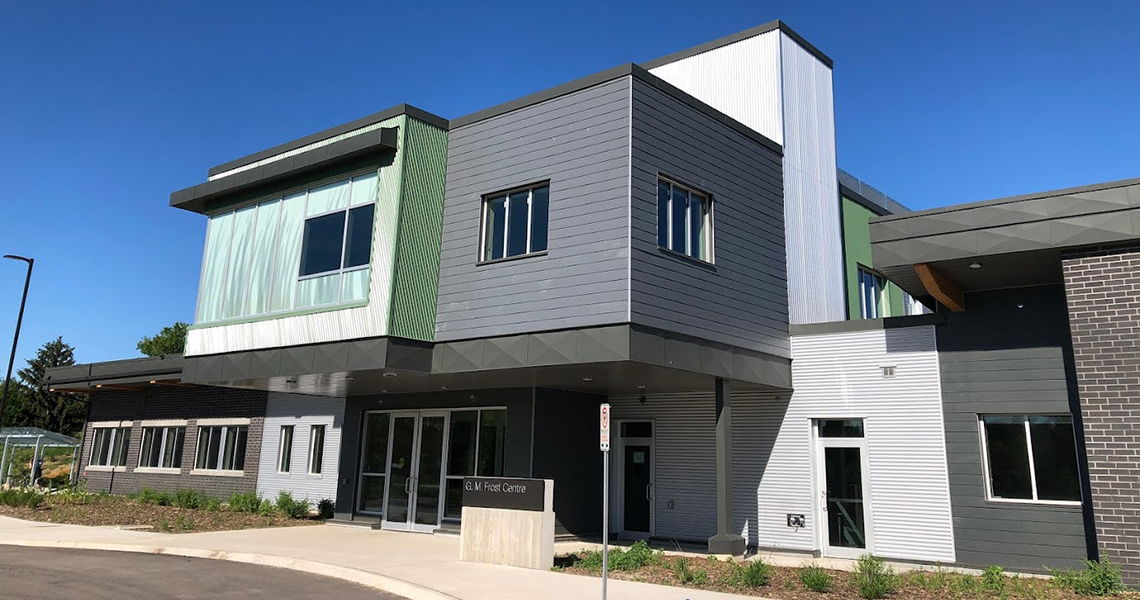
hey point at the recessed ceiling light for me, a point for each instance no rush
(976, 265)
(587, 378)
(444, 387)
(389, 374)
(641, 386)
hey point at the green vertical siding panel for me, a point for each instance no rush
(416, 268)
(857, 251)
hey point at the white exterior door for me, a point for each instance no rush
(843, 507)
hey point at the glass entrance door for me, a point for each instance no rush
(636, 471)
(415, 471)
(842, 456)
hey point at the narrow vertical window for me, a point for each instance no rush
(316, 449)
(285, 451)
(871, 290)
(515, 223)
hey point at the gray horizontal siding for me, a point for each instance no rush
(741, 300)
(580, 142)
(995, 358)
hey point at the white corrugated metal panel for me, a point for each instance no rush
(333, 324)
(840, 375)
(742, 80)
(685, 458)
(811, 189)
(302, 412)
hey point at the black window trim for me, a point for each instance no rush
(343, 240)
(479, 260)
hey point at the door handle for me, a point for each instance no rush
(648, 496)
(408, 485)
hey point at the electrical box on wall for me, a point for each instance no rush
(796, 521)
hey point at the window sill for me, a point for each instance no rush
(159, 470)
(333, 272)
(217, 473)
(496, 261)
(669, 252)
(106, 469)
(1053, 503)
(295, 312)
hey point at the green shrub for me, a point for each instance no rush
(151, 496)
(291, 507)
(815, 579)
(246, 502)
(266, 508)
(22, 497)
(188, 499)
(873, 577)
(638, 555)
(682, 571)
(591, 560)
(211, 504)
(326, 509)
(993, 578)
(700, 577)
(1097, 579)
(754, 573)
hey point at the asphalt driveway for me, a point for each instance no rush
(61, 574)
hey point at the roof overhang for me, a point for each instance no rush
(610, 359)
(1003, 243)
(221, 190)
(126, 375)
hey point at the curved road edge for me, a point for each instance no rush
(391, 585)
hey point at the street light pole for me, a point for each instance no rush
(16, 339)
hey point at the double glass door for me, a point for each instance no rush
(402, 468)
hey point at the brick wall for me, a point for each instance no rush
(168, 403)
(1103, 290)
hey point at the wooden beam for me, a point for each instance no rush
(940, 287)
(172, 383)
(122, 388)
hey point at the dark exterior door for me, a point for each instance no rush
(844, 472)
(638, 477)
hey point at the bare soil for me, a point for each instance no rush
(784, 583)
(105, 510)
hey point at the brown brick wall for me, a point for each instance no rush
(189, 404)
(1103, 290)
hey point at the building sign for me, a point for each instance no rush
(605, 430)
(501, 492)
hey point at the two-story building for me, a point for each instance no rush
(393, 304)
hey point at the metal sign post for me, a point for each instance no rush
(604, 442)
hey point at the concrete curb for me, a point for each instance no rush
(376, 581)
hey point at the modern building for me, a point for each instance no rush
(794, 360)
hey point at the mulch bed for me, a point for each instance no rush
(784, 583)
(101, 510)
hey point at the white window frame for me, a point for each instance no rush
(880, 283)
(313, 450)
(706, 200)
(164, 461)
(1032, 467)
(506, 195)
(226, 427)
(120, 431)
(285, 462)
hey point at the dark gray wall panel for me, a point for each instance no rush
(565, 450)
(997, 358)
(741, 300)
(580, 142)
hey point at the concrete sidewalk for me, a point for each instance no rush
(419, 567)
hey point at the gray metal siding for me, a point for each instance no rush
(580, 142)
(996, 358)
(302, 413)
(742, 299)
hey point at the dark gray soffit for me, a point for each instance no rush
(388, 113)
(626, 70)
(871, 198)
(868, 324)
(162, 367)
(199, 197)
(1000, 271)
(736, 37)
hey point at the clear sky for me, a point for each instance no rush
(107, 107)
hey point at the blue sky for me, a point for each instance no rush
(107, 107)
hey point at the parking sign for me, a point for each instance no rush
(605, 429)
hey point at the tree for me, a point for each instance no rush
(171, 340)
(17, 411)
(54, 411)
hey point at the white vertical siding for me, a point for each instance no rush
(840, 375)
(811, 189)
(742, 80)
(302, 412)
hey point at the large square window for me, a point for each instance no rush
(221, 448)
(684, 220)
(515, 223)
(162, 447)
(329, 245)
(109, 446)
(1031, 458)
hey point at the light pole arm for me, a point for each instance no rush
(16, 338)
